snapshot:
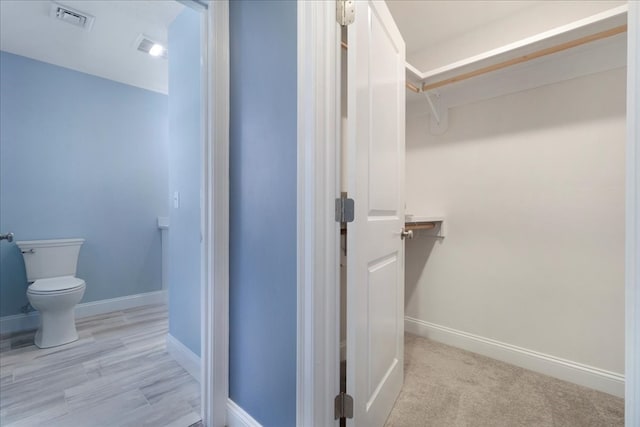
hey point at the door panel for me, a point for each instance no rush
(382, 315)
(375, 258)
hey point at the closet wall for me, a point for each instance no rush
(531, 185)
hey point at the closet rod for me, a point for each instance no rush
(409, 86)
(413, 88)
(519, 60)
(540, 53)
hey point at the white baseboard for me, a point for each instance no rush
(567, 370)
(24, 322)
(237, 417)
(184, 356)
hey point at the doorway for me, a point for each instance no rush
(141, 152)
(331, 353)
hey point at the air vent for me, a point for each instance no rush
(72, 16)
(147, 45)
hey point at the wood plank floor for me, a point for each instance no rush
(117, 374)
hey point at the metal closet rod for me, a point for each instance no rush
(524, 58)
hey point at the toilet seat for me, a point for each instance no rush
(55, 285)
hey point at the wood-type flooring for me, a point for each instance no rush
(117, 374)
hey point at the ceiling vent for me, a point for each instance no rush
(147, 45)
(72, 16)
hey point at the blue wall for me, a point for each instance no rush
(184, 177)
(81, 156)
(262, 353)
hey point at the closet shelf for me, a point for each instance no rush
(420, 225)
(595, 27)
(425, 223)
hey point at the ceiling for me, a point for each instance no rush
(108, 50)
(424, 23)
(440, 33)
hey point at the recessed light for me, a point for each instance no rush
(148, 45)
(156, 50)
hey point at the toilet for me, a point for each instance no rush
(53, 288)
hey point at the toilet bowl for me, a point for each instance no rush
(53, 290)
(55, 299)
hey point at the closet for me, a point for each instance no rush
(512, 200)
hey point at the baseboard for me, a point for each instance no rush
(24, 322)
(567, 370)
(237, 417)
(184, 356)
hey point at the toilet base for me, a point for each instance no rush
(48, 341)
(55, 330)
(57, 317)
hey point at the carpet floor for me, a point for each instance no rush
(448, 387)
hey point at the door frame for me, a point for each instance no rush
(318, 355)
(318, 167)
(214, 210)
(632, 226)
(214, 302)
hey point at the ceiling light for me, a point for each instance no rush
(148, 45)
(156, 50)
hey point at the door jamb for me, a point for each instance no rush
(214, 315)
(318, 270)
(632, 231)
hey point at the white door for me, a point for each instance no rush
(375, 258)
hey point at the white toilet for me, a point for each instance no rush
(53, 288)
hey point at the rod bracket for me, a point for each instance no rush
(439, 121)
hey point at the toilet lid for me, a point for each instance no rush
(56, 284)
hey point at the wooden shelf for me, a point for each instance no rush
(597, 26)
(420, 225)
(425, 223)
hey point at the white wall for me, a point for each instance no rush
(532, 187)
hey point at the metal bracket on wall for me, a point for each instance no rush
(439, 115)
(434, 110)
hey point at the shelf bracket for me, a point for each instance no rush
(434, 109)
(439, 114)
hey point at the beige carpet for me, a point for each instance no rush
(445, 386)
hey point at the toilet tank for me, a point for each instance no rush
(50, 258)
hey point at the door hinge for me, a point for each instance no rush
(344, 209)
(345, 12)
(343, 406)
